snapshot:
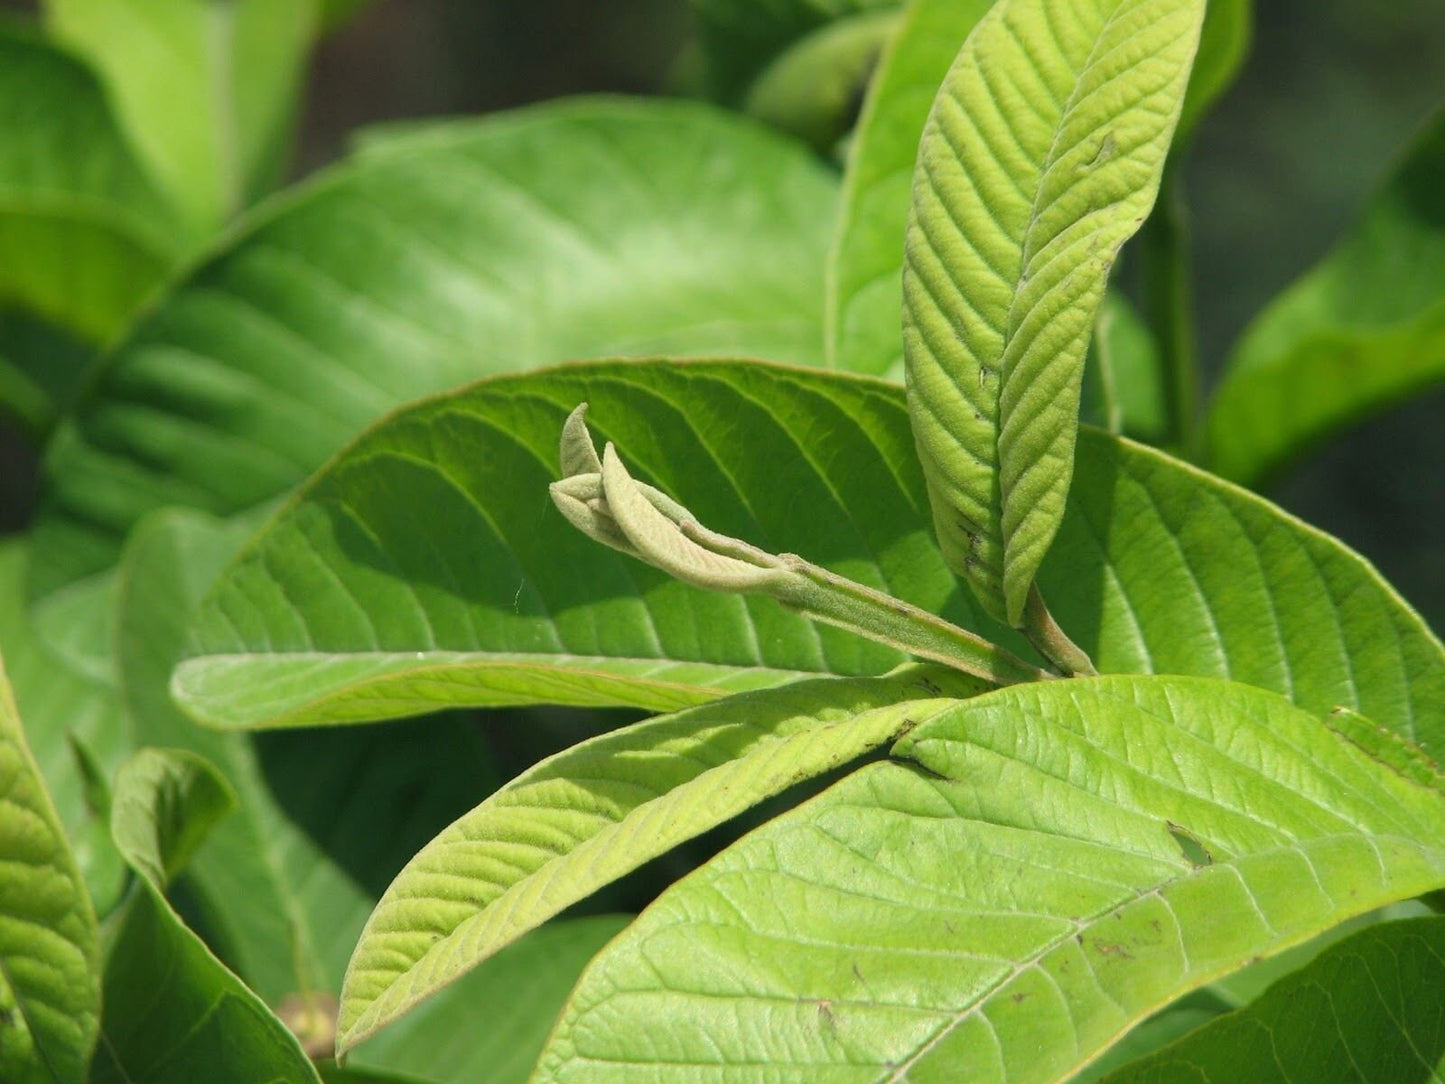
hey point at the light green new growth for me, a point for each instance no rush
(611, 507)
(1042, 155)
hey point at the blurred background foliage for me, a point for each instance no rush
(1331, 92)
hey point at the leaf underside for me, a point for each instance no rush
(434, 534)
(1042, 155)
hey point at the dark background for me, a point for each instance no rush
(1331, 92)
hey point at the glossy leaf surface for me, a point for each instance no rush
(1370, 1008)
(1041, 156)
(1363, 330)
(1071, 857)
(567, 231)
(49, 956)
(598, 810)
(427, 566)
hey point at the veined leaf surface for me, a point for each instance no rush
(573, 230)
(1364, 329)
(427, 566)
(583, 818)
(1367, 1009)
(49, 955)
(1041, 157)
(1073, 856)
(173, 1013)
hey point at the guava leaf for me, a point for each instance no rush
(740, 38)
(49, 954)
(206, 90)
(1223, 44)
(588, 815)
(1059, 861)
(518, 992)
(1041, 157)
(173, 1012)
(84, 234)
(62, 706)
(286, 882)
(578, 229)
(1364, 329)
(1367, 1009)
(865, 267)
(427, 566)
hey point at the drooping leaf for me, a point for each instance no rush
(1041, 156)
(49, 956)
(574, 230)
(518, 993)
(427, 566)
(598, 810)
(865, 266)
(740, 38)
(1073, 856)
(61, 706)
(173, 1012)
(1370, 1008)
(206, 90)
(84, 234)
(1363, 330)
(285, 883)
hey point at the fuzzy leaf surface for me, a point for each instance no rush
(428, 567)
(1042, 155)
(592, 813)
(572, 230)
(1363, 330)
(1072, 857)
(49, 954)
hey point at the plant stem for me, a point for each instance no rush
(1053, 643)
(825, 596)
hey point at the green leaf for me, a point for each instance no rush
(41, 369)
(596, 811)
(165, 804)
(437, 572)
(286, 882)
(336, 13)
(1367, 1009)
(173, 1013)
(426, 566)
(49, 957)
(61, 705)
(84, 235)
(812, 91)
(518, 993)
(206, 90)
(574, 230)
(1041, 156)
(740, 38)
(865, 267)
(1007, 908)
(1361, 331)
